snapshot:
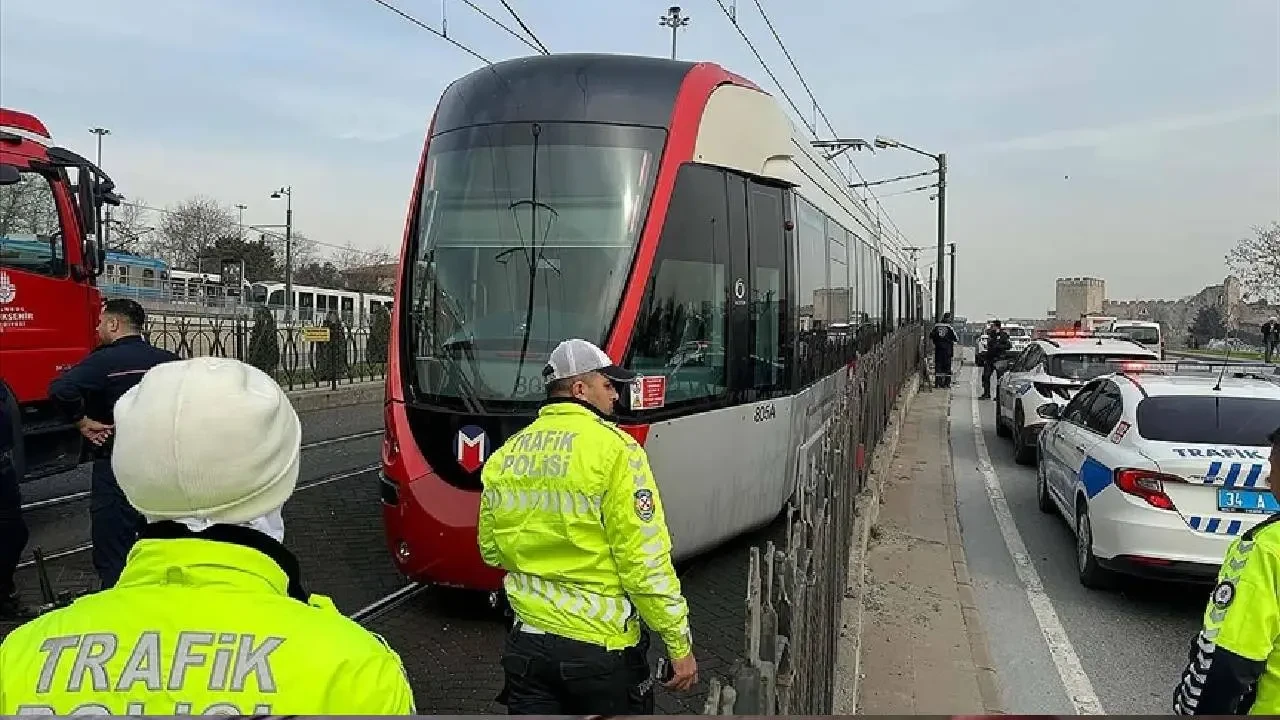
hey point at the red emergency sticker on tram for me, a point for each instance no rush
(648, 392)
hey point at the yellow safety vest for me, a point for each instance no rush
(571, 511)
(1235, 660)
(197, 626)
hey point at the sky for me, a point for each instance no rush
(1135, 141)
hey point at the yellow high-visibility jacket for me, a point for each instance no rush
(199, 626)
(571, 511)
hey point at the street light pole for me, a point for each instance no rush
(674, 20)
(942, 235)
(241, 207)
(953, 282)
(99, 132)
(941, 159)
(287, 192)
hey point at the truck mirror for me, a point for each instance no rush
(9, 175)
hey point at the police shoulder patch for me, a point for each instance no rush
(644, 504)
(1224, 593)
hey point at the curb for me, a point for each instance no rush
(323, 398)
(988, 680)
(849, 649)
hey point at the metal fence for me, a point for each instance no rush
(794, 594)
(360, 354)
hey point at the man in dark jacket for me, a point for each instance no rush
(86, 394)
(1270, 337)
(944, 347)
(998, 345)
(13, 531)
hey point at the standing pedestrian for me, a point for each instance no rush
(944, 347)
(1270, 337)
(571, 511)
(998, 345)
(86, 394)
(210, 616)
(1234, 664)
(13, 530)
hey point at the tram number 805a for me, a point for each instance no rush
(765, 412)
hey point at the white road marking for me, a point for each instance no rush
(1074, 680)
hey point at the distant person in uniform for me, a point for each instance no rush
(13, 531)
(1234, 664)
(998, 344)
(944, 347)
(86, 394)
(571, 511)
(1270, 337)
(211, 615)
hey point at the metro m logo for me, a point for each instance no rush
(471, 447)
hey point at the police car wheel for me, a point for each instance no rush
(1043, 500)
(1023, 453)
(1002, 428)
(1092, 575)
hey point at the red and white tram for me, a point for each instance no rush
(667, 211)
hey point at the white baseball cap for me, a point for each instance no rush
(208, 438)
(576, 356)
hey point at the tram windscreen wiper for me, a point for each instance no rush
(534, 254)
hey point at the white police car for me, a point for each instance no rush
(1158, 470)
(1050, 370)
(1019, 337)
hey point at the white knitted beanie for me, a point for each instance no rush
(209, 438)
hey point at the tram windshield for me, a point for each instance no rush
(523, 238)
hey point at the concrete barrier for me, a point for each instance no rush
(324, 398)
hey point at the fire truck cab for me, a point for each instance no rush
(51, 251)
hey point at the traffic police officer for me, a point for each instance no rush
(571, 511)
(86, 394)
(13, 531)
(210, 615)
(998, 343)
(1234, 663)
(944, 347)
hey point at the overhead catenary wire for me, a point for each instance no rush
(531, 41)
(522, 24)
(733, 20)
(409, 18)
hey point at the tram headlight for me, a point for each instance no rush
(402, 552)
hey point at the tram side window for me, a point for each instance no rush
(768, 312)
(680, 328)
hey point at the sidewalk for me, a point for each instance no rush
(923, 647)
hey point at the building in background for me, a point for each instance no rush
(1079, 296)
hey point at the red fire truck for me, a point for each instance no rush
(51, 252)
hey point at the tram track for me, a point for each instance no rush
(312, 484)
(83, 494)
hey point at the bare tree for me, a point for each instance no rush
(191, 226)
(129, 231)
(350, 260)
(1256, 261)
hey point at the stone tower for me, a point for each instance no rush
(1079, 296)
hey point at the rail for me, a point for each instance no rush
(286, 353)
(794, 594)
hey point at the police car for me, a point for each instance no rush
(1050, 370)
(1019, 337)
(1158, 468)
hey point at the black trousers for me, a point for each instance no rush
(942, 366)
(987, 369)
(551, 675)
(13, 531)
(114, 524)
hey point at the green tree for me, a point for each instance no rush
(379, 336)
(1209, 324)
(259, 258)
(331, 356)
(318, 274)
(264, 343)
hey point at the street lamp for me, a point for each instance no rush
(941, 158)
(674, 20)
(287, 193)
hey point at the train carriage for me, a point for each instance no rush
(667, 211)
